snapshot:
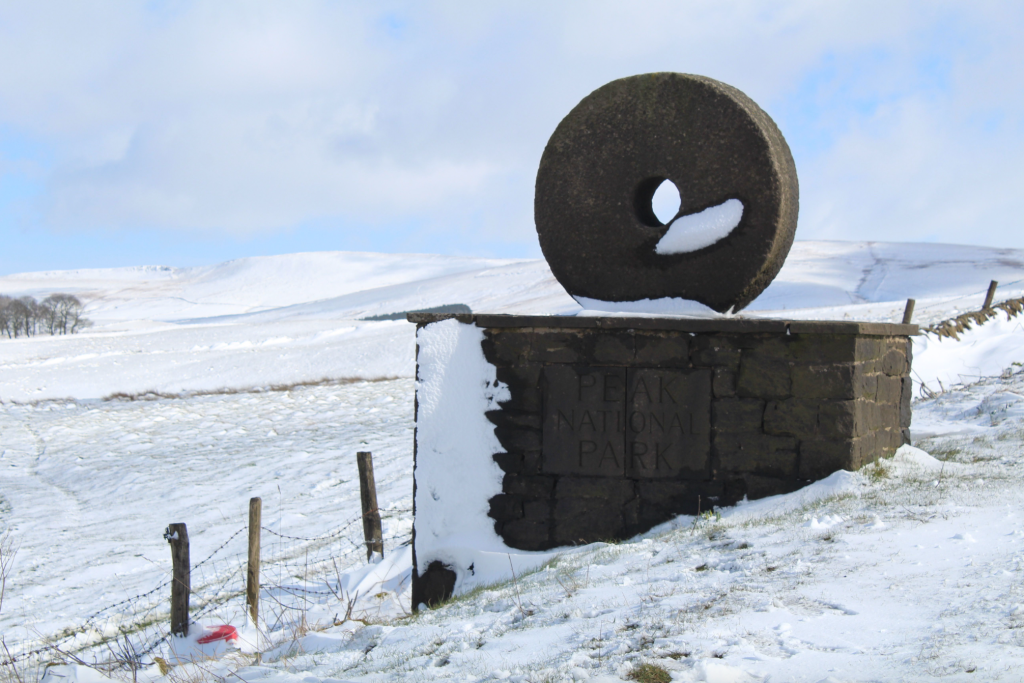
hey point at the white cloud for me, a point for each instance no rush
(259, 117)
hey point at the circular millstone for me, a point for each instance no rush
(604, 162)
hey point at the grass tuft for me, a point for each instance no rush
(649, 673)
(878, 471)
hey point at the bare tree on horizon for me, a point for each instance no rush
(58, 313)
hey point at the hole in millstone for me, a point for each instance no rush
(657, 201)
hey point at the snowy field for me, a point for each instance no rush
(258, 378)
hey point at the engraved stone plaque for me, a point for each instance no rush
(641, 423)
(584, 420)
(669, 422)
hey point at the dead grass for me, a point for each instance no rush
(649, 673)
(225, 391)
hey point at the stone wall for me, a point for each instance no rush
(615, 425)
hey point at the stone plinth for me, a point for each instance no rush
(615, 425)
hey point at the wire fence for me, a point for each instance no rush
(144, 616)
(957, 325)
(970, 298)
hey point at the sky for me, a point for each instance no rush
(187, 133)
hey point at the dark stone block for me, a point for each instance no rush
(592, 205)
(507, 347)
(865, 385)
(584, 420)
(668, 428)
(641, 422)
(511, 463)
(711, 491)
(713, 350)
(888, 440)
(734, 488)
(761, 378)
(769, 347)
(888, 416)
(528, 487)
(504, 507)
(894, 363)
(524, 387)
(527, 534)
(818, 459)
(613, 348)
(519, 377)
(825, 381)
(532, 462)
(538, 510)
(433, 586)
(869, 348)
(585, 520)
(662, 506)
(906, 393)
(667, 495)
(867, 448)
(723, 383)
(792, 417)
(762, 487)
(558, 347)
(906, 435)
(514, 419)
(612, 491)
(844, 419)
(662, 350)
(772, 455)
(738, 415)
(518, 438)
(631, 522)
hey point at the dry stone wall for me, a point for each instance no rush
(616, 425)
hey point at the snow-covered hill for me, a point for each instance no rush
(911, 571)
(298, 318)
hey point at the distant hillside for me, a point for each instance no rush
(354, 285)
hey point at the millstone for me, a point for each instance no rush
(734, 172)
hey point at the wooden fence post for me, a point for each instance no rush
(181, 583)
(991, 295)
(371, 515)
(908, 312)
(252, 575)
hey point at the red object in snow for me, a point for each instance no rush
(223, 632)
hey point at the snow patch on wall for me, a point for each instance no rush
(455, 472)
(698, 230)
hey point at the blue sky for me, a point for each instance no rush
(184, 133)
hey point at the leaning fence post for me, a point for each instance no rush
(908, 312)
(181, 583)
(252, 575)
(991, 295)
(371, 515)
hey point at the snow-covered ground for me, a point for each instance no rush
(265, 382)
(276, 320)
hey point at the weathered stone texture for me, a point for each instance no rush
(684, 420)
(602, 165)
